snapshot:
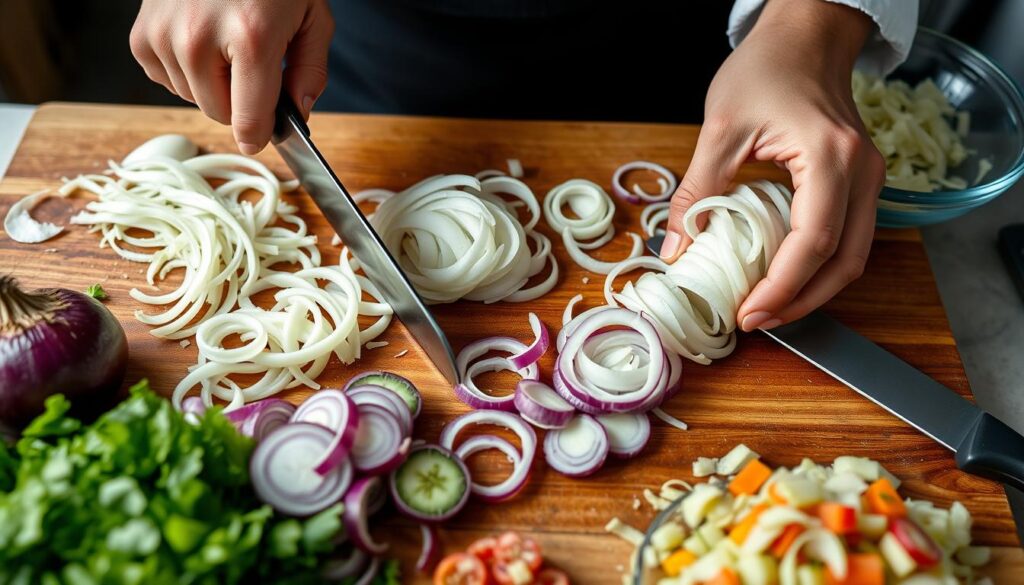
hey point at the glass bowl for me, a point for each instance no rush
(974, 83)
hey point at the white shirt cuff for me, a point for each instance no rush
(886, 48)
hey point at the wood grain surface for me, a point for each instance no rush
(761, 395)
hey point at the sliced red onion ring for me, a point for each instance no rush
(541, 406)
(667, 181)
(431, 549)
(469, 392)
(373, 394)
(380, 446)
(579, 449)
(532, 354)
(527, 437)
(340, 568)
(283, 475)
(559, 387)
(402, 387)
(371, 572)
(628, 434)
(506, 489)
(332, 410)
(356, 514)
(259, 419)
(613, 389)
(194, 405)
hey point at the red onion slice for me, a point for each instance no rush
(340, 568)
(506, 489)
(579, 449)
(541, 406)
(667, 182)
(356, 513)
(380, 446)
(259, 419)
(559, 387)
(372, 394)
(628, 434)
(533, 353)
(469, 392)
(283, 475)
(431, 549)
(332, 410)
(371, 572)
(527, 437)
(607, 391)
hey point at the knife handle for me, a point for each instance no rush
(1011, 245)
(993, 450)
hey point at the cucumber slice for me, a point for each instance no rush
(397, 384)
(432, 485)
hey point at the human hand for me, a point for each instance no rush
(784, 95)
(225, 56)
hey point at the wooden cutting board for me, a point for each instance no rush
(761, 395)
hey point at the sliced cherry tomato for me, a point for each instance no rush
(552, 577)
(916, 541)
(512, 547)
(483, 549)
(460, 569)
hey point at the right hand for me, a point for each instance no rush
(225, 56)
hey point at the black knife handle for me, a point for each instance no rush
(1011, 245)
(993, 450)
(286, 111)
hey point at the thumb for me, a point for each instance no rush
(719, 153)
(305, 73)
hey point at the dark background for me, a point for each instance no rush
(78, 50)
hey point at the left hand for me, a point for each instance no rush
(784, 95)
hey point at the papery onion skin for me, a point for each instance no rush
(57, 341)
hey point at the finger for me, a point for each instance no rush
(721, 149)
(255, 86)
(848, 263)
(305, 74)
(169, 61)
(208, 76)
(818, 217)
(143, 52)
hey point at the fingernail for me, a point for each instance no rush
(307, 104)
(670, 246)
(756, 319)
(771, 324)
(248, 149)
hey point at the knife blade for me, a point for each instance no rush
(294, 144)
(983, 444)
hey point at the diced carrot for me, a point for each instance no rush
(775, 496)
(675, 562)
(838, 518)
(862, 569)
(883, 499)
(739, 532)
(785, 540)
(724, 577)
(750, 478)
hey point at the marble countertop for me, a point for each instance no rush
(986, 313)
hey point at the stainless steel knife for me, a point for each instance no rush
(983, 444)
(293, 142)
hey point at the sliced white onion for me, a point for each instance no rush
(173, 146)
(667, 182)
(21, 227)
(527, 438)
(594, 211)
(515, 168)
(693, 302)
(652, 216)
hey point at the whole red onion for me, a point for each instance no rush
(57, 341)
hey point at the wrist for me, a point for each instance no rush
(816, 27)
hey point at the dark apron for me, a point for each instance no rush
(535, 59)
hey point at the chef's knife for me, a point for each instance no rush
(293, 142)
(983, 444)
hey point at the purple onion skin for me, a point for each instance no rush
(72, 346)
